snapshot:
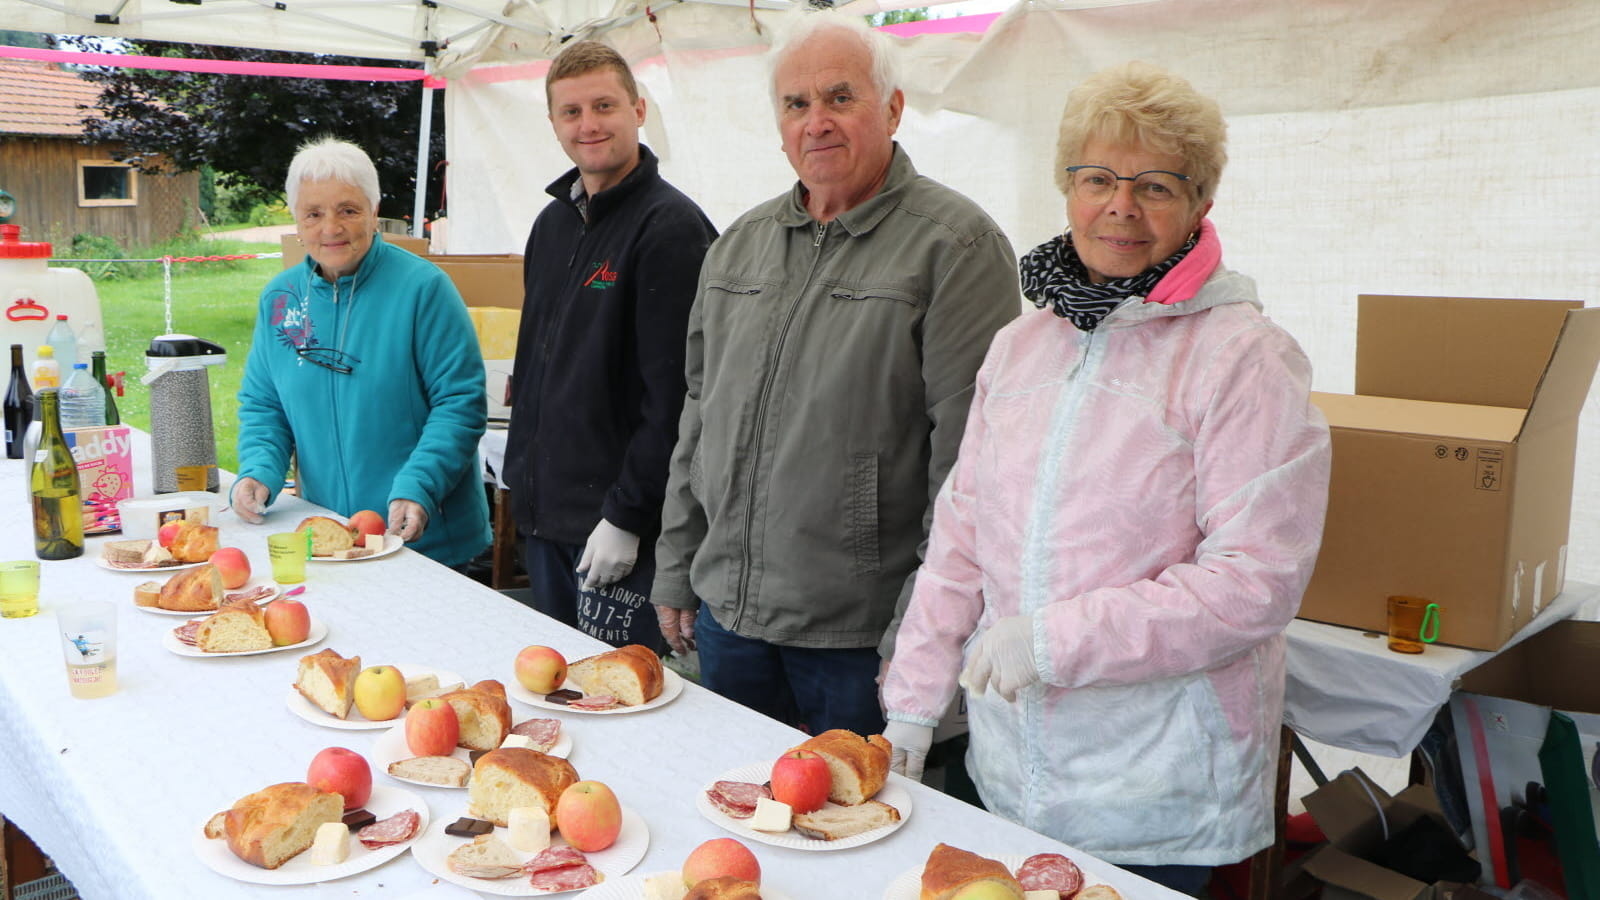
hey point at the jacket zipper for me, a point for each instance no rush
(333, 391)
(761, 421)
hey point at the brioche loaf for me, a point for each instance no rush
(951, 869)
(194, 542)
(632, 674)
(327, 535)
(505, 779)
(327, 680)
(271, 826)
(197, 590)
(834, 823)
(724, 887)
(859, 765)
(484, 714)
(237, 626)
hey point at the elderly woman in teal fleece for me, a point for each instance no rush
(365, 367)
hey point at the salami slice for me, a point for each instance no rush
(555, 857)
(543, 732)
(569, 878)
(254, 595)
(186, 633)
(396, 829)
(737, 799)
(596, 703)
(1050, 872)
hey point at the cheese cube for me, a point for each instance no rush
(1041, 895)
(373, 542)
(665, 886)
(771, 815)
(518, 740)
(331, 845)
(529, 829)
(421, 687)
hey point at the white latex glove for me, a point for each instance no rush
(407, 519)
(248, 500)
(1003, 659)
(908, 747)
(608, 555)
(677, 626)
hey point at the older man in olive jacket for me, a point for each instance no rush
(831, 355)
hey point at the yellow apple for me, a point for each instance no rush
(589, 816)
(986, 890)
(540, 669)
(380, 693)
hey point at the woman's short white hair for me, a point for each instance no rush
(331, 158)
(796, 28)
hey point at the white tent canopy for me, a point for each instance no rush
(1432, 147)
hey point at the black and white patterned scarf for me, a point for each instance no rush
(1054, 276)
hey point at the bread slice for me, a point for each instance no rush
(147, 594)
(486, 856)
(1098, 892)
(445, 771)
(197, 590)
(275, 824)
(483, 713)
(505, 779)
(632, 674)
(217, 826)
(859, 765)
(127, 552)
(832, 823)
(234, 628)
(327, 680)
(327, 535)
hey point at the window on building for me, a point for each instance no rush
(102, 182)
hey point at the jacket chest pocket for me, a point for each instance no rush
(865, 295)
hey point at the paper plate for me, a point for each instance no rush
(391, 544)
(171, 642)
(303, 708)
(757, 773)
(908, 884)
(671, 687)
(390, 748)
(632, 888)
(615, 861)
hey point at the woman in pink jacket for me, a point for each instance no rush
(1135, 512)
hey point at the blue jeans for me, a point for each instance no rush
(619, 613)
(1189, 880)
(816, 689)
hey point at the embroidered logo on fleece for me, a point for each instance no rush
(292, 321)
(602, 277)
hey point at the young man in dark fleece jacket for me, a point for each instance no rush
(610, 273)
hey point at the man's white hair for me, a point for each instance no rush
(799, 27)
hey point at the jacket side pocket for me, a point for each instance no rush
(863, 513)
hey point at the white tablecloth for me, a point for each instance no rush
(1347, 689)
(114, 789)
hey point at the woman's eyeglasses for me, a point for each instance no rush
(1152, 189)
(328, 358)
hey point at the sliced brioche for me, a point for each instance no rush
(236, 627)
(859, 765)
(485, 856)
(505, 779)
(197, 590)
(273, 825)
(327, 680)
(632, 674)
(327, 535)
(147, 594)
(445, 771)
(950, 870)
(1098, 892)
(724, 887)
(484, 714)
(126, 552)
(194, 542)
(217, 826)
(832, 823)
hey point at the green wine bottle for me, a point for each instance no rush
(112, 416)
(57, 509)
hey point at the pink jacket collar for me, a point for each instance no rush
(1185, 279)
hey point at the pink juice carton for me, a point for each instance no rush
(105, 474)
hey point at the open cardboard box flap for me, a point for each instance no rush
(1347, 811)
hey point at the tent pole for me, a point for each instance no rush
(423, 132)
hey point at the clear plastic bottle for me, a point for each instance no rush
(83, 400)
(65, 342)
(46, 371)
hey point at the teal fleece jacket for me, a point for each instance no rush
(403, 423)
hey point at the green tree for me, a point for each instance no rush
(24, 39)
(898, 17)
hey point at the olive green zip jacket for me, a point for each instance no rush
(829, 371)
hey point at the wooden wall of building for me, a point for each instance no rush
(42, 174)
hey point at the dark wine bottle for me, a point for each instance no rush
(112, 416)
(57, 507)
(19, 405)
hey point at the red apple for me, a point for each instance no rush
(800, 778)
(343, 772)
(432, 728)
(380, 693)
(540, 669)
(366, 522)
(234, 566)
(168, 533)
(287, 621)
(718, 857)
(589, 816)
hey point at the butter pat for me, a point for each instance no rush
(666, 886)
(373, 542)
(529, 828)
(771, 815)
(518, 740)
(1041, 895)
(332, 844)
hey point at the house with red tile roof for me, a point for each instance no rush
(64, 186)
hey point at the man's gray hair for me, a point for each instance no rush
(331, 158)
(799, 27)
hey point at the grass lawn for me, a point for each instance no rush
(215, 301)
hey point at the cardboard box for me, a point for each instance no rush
(1352, 811)
(1452, 463)
(105, 473)
(1502, 714)
(484, 279)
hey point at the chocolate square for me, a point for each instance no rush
(357, 819)
(467, 827)
(563, 696)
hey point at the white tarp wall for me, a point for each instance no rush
(1427, 147)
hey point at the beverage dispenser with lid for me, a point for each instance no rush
(182, 442)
